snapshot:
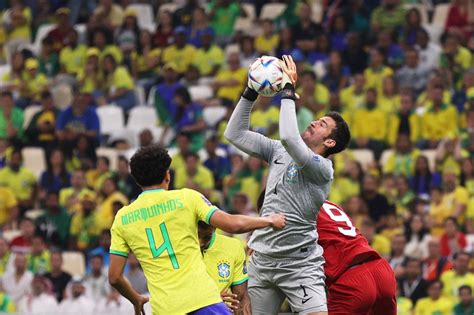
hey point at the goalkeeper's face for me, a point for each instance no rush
(318, 132)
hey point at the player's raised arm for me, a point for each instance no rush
(237, 224)
(238, 130)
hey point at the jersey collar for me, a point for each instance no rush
(213, 239)
(151, 191)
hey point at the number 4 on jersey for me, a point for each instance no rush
(340, 217)
(166, 246)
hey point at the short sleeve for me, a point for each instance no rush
(240, 275)
(118, 245)
(199, 204)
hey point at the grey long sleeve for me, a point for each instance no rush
(238, 132)
(312, 164)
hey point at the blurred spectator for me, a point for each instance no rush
(7, 306)
(164, 30)
(285, 45)
(412, 285)
(455, 58)
(17, 21)
(418, 238)
(435, 264)
(60, 33)
(39, 260)
(108, 194)
(313, 96)
(114, 303)
(55, 177)
(423, 179)
(389, 99)
(428, 51)
(20, 180)
(353, 96)
(6, 258)
(305, 31)
(84, 225)
(403, 160)
(265, 117)
(198, 26)
(370, 136)
(338, 31)
(148, 59)
(268, 41)
(23, 242)
(72, 56)
(91, 78)
(379, 242)
(110, 14)
(390, 15)
(337, 73)
(76, 120)
(125, 182)
(183, 142)
(209, 57)
(40, 300)
(413, 74)
(58, 277)
(398, 259)
(409, 32)
(165, 91)
(69, 198)
(348, 185)
(18, 283)
(12, 79)
(96, 177)
(230, 81)
(453, 241)
(194, 176)
(354, 54)
(377, 203)
(3, 152)
(390, 49)
(135, 275)
(102, 39)
(449, 155)
(185, 15)
(127, 36)
(455, 196)
(101, 250)
(96, 282)
(223, 14)
(34, 83)
(42, 127)
(11, 118)
(358, 17)
(217, 164)
(77, 302)
(434, 303)
(461, 18)
(376, 71)
(404, 305)
(180, 53)
(48, 59)
(439, 121)
(54, 224)
(458, 276)
(404, 121)
(8, 207)
(466, 303)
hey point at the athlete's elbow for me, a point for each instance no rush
(114, 280)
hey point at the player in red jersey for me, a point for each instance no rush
(359, 281)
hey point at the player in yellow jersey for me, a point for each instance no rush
(225, 261)
(160, 228)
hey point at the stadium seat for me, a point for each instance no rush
(110, 153)
(4, 69)
(272, 10)
(145, 15)
(431, 156)
(74, 263)
(232, 48)
(441, 14)
(28, 114)
(246, 24)
(169, 7)
(34, 214)
(364, 157)
(141, 117)
(385, 156)
(111, 119)
(140, 95)
(317, 9)
(9, 235)
(43, 30)
(151, 97)
(34, 160)
(201, 92)
(212, 115)
(421, 8)
(82, 32)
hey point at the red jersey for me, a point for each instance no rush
(343, 244)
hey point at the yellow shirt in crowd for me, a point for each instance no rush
(206, 60)
(7, 201)
(428, 306)
(21, 183)
(375, 130)
(160, 228)
(182, 58)
(232, 93)
(73, 59)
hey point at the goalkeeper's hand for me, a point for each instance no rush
(290, 74)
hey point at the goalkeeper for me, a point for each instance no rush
(289, 262)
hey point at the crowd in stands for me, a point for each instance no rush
(401, 73)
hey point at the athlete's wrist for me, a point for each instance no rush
(250, 94)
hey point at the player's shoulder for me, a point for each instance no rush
(229, 242)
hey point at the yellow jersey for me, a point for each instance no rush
(7, 201)
(182, 57)
(225, 261)
(160, 228)
(428, 306)
(73, 59)
(452, 281)
(21, 183)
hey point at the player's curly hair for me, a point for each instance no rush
(341, 134)
(149, 164)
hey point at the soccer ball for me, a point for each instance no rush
(265, 75)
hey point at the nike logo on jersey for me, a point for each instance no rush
(306, 300)
(278, 162)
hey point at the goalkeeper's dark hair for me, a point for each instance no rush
(341, 134)
(149, 165)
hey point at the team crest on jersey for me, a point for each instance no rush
(224, 269)
(291, 173)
